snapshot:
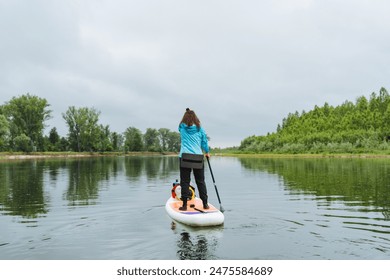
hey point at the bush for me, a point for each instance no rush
(23, 143)
(294, 148)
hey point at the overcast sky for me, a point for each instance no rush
(241, 65)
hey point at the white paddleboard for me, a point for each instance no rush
(195, 214)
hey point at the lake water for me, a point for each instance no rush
(113, 208)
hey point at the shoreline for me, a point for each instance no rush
(64, 155)
(361, 156)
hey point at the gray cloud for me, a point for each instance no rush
(241, 65)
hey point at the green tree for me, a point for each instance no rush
(53, 140)
(386, 123)
(133, 140)
(362, 103)
(117, 141)
(151, 140)
(27, 115)
(163, 136)
(53, 136)
(104, 143)
(22, 143)
(173, 141)
(63, 144)
(4, 132)
(83, 128)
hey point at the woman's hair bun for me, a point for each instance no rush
(187, 109)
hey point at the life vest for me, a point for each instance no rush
(176, 191)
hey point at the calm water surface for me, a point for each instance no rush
(113, 208)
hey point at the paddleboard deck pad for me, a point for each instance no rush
(195, 215)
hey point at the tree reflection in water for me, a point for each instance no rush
(25, 186)
(363, 182)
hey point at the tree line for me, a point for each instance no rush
(352, 127)
(22, 124)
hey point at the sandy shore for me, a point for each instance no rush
(21, 157)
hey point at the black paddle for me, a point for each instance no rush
(193, 206)
(215, 186)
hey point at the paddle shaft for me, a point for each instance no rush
(215, 186)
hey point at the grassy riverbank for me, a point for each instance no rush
(270, 155)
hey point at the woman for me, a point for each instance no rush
(193, 143)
